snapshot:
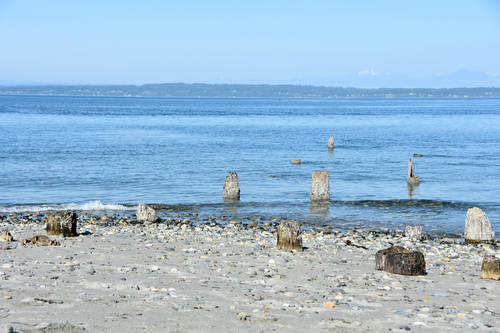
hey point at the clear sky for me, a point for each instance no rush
(273, 41)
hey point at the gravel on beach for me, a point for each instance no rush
(187, 275)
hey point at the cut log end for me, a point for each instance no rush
(64, 223)
(490, 268)
(398, 260)
(289, 236)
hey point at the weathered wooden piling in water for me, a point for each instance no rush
(145, 213)
(477, 226)
(331, 143)
(231, 189)
(320, 186)
(289, 236)
(398, 260)
(413, 232)
(62, 223)
(412, 179)
(490, 268)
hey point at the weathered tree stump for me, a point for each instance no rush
(41, 240)
(477, 226)
(289, 236)
(147, 214)
(412, 179)
(398, 260)
(231, 189)
(297, 161)
(490, 268)
(331, 144)
(62, 223)
(413, 232)
(320, 186)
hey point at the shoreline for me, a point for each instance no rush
(186, 277)
(182, 214)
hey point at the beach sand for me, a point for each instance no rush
(211, 278)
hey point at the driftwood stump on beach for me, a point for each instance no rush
(145, 213)
(62, 223)
(320, 186)
(412, 179)
(477, 226)
(398, 260)
(490, 268)
(289, 236)
(331, 143)
(231, 189)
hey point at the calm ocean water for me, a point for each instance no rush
(101, 153)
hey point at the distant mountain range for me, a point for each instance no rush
(243, 91)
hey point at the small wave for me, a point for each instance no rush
(88, 206)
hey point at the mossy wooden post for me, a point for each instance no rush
(331, 144)
(412, 179)
(490, 268)
(320, 186)
(477, 226)
(231, 189)
(289, 236)
(398, 260)
(62, 223)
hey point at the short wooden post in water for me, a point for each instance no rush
(62, 223)
(320, 186)
(477, 227)
(490, 268)
(231, 189)
(412, 179)
(289, 236)
(398, 260)
(331, 144)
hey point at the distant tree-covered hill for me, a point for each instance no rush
(243, 91)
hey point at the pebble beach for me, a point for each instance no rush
(190, 275)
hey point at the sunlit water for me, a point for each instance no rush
(68, 152)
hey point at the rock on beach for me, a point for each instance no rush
(146, 214)
(477, 226)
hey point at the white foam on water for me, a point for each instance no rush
(88, 206)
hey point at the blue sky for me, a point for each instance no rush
(358, 43)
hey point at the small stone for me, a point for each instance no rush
(297, 161)
(7, 297)
(330, 305)
(414, 232)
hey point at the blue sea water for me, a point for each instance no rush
(103, 152)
